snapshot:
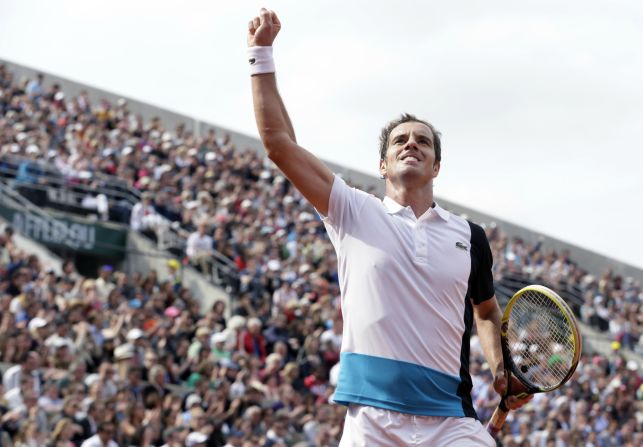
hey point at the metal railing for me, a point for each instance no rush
(171, 238)
(108, 184)
(69, 191)
(15, 200)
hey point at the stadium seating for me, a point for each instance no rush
(136, 350)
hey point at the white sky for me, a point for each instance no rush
(540, 104)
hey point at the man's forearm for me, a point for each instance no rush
(270, 113)
(489, 333)
(284, 113)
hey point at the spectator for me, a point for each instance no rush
(199, 248)
(116, 348)
(104, 437)
(145, 219)
(254, 342)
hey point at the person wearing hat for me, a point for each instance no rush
(135, 334)
(217, 346)
(175, 436)
(38, 329)
(234, 438)
(138, 338)
(174, 274)
(193, 409)
(22, 301)
(192, 400)
(123, 356)
(201, 340)
(107, 343)
(196, 439)
(104, 284)
(234, 332)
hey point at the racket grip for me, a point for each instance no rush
(498, 418)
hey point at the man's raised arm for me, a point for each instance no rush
(309, 175)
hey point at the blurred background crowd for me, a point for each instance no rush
(133, 358)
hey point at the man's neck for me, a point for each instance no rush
(420, 200)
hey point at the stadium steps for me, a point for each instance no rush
(142, 254)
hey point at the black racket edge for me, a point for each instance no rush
(500, 414)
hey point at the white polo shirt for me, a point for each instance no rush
(95, 441)
(407, 286)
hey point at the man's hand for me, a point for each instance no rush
(513, 401)
(263, 29)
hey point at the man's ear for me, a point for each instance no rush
(383, 169)
(436, 169)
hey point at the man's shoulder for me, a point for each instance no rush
(12, 370)
(478, 234)
(94, 441)
(343, 186)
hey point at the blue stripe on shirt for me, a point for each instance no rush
(396, 385)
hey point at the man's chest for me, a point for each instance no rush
(399, 247)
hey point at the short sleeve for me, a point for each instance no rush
(481, 280)
(343, 204)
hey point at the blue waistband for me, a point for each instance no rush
(396, 385)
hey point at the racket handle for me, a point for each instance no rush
(498, 418)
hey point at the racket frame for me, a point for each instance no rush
(500, 414)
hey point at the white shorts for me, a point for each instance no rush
(375, 427)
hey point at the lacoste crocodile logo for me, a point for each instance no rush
(461, 246)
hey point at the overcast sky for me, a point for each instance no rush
(540, 105)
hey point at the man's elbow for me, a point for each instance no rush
(487, 310)
(275, 142)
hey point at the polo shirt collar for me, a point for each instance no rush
(444, 214)
(392, 207)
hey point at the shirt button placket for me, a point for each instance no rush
(421, 245)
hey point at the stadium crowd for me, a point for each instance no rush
(234, 203)
(129, 357)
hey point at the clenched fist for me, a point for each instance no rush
(263, 29)
(517, 398)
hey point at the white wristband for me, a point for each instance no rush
(261, 61)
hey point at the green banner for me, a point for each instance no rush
(63, 232)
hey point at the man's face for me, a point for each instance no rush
(33, 362)
(410, 154)
(281, 428)
(106, 434)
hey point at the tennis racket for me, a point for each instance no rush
(541, 345)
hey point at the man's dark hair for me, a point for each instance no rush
(105, 426)
(407, 118)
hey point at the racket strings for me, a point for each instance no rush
(540, 340)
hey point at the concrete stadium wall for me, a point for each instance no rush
(594, 262)
(48, 259)
(144, 257)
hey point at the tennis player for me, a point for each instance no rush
(413, 278)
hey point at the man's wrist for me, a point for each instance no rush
(260, 60)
